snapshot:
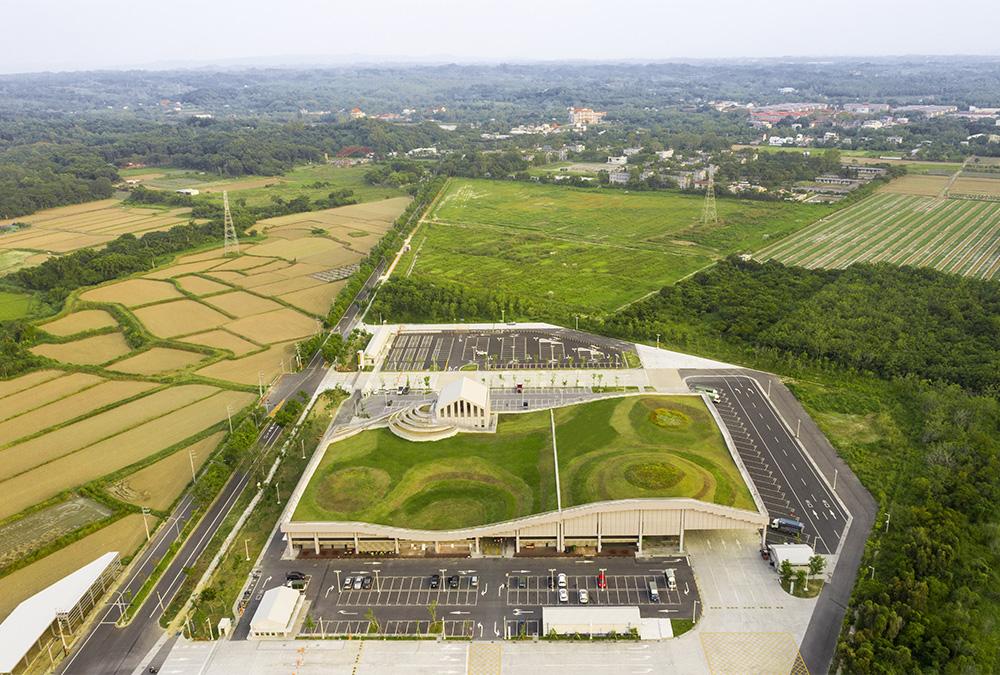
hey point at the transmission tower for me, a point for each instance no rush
(709, 216)
(232, 245)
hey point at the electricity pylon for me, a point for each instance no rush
(709, 216)
(232, 244)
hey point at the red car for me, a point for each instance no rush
(602, 581)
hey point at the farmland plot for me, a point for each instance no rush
(133, 292)
(8, 387)
(951, 235)
(117, 452)
(44, 393)
(39, 528)
(265, 365)
(78, 322)
(88, 351)
(220, 339)
(180, 317)
(160, 483)
(157, 360)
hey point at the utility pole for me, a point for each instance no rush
(888, 516)
(709, 215)
(277, 494)
(145, 512)
(302, 442)
(798, 427)
(246, 547)
(229, 416)
(260, 384)
(657, 340)
(835, 472)
(191, 459)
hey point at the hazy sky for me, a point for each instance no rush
(82, 34)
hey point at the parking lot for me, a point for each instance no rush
(509, 349)
(506, 598)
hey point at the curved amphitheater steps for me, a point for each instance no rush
(417, 424)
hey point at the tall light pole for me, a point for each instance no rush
(888, 516)
(835, 472)
(657, 340)
(246, 546)
(694, 612)
(229, 416)
(191, 459)
(145, 512)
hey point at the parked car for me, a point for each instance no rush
(295, 576)
(453, 581)
(602, 581)
(563, 595)
(367, 583)
(562, 581)
(584, 596)
(512, 582)
(357, 583)
(348, 583)
(435, 581)
(522, 582)
(473, 581)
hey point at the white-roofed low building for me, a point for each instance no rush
(569, 620)
(44, 624)
(797, 555)
(276, 614)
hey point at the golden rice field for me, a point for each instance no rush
(179, 317)
(220, 339)
(78, 322)
(123, 535)
(68, 439)
(17, 402)
(242, 304)
(157, 360)
(976, 187)
(69, 228)
(116, 452)
(133, 292)
(89, 351)
(158, 485)
(200, 286)
(264, 365)
(70, 408)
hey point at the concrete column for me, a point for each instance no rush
(316, 542)
(477, 546)
(640, 533)
(437, 547)
(357, 549)
(289, 549)
(517, 542)
(683, 513)
(395, 544)
(598, 532)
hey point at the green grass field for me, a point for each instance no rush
(952, 235)
(315, 181)
(14, 306)
(647, 446)
(869, 157)
(466, 480)
(585, 250)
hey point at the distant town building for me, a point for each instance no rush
(618, 161)
(583, 116)
(422, 152)
(191, 192)
(628, 152)
(618, 177)
(665, 154)
(927, 110)
(866, 108)
(357, 113)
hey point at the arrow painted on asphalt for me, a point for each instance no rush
(668, 611)
(686, 588)
(340, 611)
(495, 631)
(458, 612)
(480, 624)
(519, 612)
(486, 587)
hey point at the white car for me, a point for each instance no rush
(561, 580)
(563, 595)
(584, 596)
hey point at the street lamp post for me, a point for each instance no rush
(657, 340)
(694, 612)
(337, 572)
(246, 546)
(191, 459)
(145, 512)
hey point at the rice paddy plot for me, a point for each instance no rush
(158, 485)
(220, 339)
(251, 369)
(88, 351)
(201, 286)
(78, 322)
(118, 452)
(44, 393)
(951, 235)
(37, 529)
(277, 326)
(123, 535)
(14, 385)
(983, 187)
(157, 360)
(241, 303)
(180, 317)
(133, 292)
(14, 305)
(67, 439)
(315, 300)
(69, 408)
(917, 184)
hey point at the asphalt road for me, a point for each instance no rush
(508, 598)
(820, 641)
(784, 475)
(109, 649)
